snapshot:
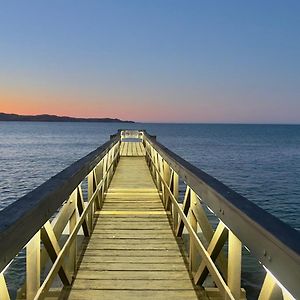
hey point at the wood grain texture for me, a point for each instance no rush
(132, 253)
(132, 149)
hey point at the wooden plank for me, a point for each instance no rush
(133, 252)
(132, 217)
(142, 212)
(116, 205)
(139, 149)
(170, 259)
(146, 275)
(122, 149)
(142, 235)
(146, 194)
(131, 284)
(119, 220)
(125, 149)
(143, 149)
(134, 226)
(103, 266)
(132, 294)
(133, 208)
(134, 150)
(146, 231)
(133, 245)
(129, 149)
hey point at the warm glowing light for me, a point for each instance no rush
(224, 225)
(5, 268)
(210, 210)
(284, 290)
(247, 248)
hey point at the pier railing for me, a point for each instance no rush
(274, 244)
(46, 222)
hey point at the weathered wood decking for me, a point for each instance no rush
(132, 149)
(132, 253)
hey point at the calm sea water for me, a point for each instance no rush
(262, 162)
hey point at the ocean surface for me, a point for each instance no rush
(261, 162)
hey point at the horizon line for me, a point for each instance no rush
(157, 122)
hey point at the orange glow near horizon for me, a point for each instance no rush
(157, 109)
(34, 103)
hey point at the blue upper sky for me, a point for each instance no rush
(179, 61)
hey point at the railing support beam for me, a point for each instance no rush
(193, 249)
(3, 288)
(214, 249)
(33, 266)
(176, 195)
(234, 265)
(53, 249)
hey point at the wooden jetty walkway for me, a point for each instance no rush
(132, 253)
(132, 220)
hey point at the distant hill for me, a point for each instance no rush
(54, 118)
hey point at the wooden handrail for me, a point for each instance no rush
(275, 244)
(38, 206)
(221, 284)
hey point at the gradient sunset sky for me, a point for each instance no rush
(153, 61)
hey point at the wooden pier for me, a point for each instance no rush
(112, 226)
(132, 252)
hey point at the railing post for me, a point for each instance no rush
(153, 166)
(159, 165)
(193, 222)
(104, 174)
(110, 159)
(166, 177)
(3, 288)
(96, 182)
(234, 265)
(176, 195)
(90, 193)
(33, 265)
(72, 259)
(73, 247)
(270, 289)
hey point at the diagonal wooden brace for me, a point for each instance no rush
(52, 246)
(80, 206)
(169, 180)
(185, 208)
(214, 248)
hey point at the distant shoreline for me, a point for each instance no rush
(54, 118)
